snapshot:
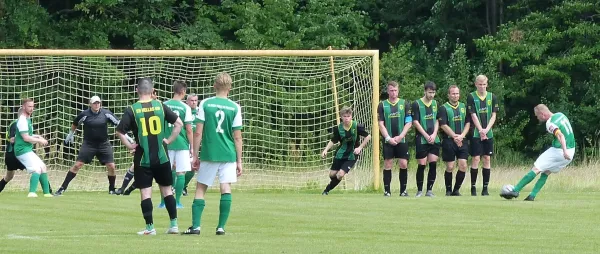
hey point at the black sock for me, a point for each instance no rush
(403, 179)
(334, 182)
(474, 176)
(147, 211)
(448, 180)
(111, 182)
(2, 184)
(460, 177)
(387, 179)
(420, 177)
(132, 187)
(126, 179)
(171, 206)
(68, 178)
(485, 173)
(431, 175)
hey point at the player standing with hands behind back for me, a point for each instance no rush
(395, 120)
(219, 130)
(482, 106)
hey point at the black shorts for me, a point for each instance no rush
(451, 151)
(422, 150)
(397, 151)
(143, 176)
(103, 151)
(341, 164)
(12, 163)
(480, 147)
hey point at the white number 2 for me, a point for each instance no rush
(567, 125)
(220, 117)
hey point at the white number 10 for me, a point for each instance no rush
(220, 117)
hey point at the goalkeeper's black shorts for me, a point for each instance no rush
(101, 150)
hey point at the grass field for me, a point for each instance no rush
(343, 222)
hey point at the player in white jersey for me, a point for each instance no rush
(552, 160)
(23, 148)
(219, 130)
(179, 150)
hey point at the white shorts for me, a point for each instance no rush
(32, 162)
(553, 160)
(208, 171)
(181, 160)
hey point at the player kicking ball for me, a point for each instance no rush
(219, 130)
(552, 160)
(347, 153)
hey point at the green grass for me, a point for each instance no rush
(343, 222)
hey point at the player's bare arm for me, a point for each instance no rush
(407, 127)
(491, 124)
(386, 135)
(563, 143)
(197, 142)
(362, 145)
(177, 126)
(420, 129)
(329, 146)
(124, 139)
(189, 132)
(436, 128)
(237, 139)
(33, 139)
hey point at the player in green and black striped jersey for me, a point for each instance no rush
(147, 118)
(455, 125)
(424, 112)
(347, 134)
(395, 120)
(482, 106)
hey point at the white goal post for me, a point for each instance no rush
(289, 101)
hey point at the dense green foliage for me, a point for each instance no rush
(533, 51)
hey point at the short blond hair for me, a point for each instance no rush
(541, 108)
(481, 78)
(223, 81)
(393, 83)
(346, 110)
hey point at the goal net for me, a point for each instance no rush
(288, 101)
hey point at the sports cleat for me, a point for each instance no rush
(32, 195)
(185, 193)
(59, 192)
(220, 231)
(473, 191)
(429, 194)
(529, 198)
(448, 193)
(111, 192)
(179, 206)
(128, 191)
(161, 206)
(387, 194)
(147, 232)
(485, 192)
(419, 194)
(192, 231)
(119, 191)
(173, 230)
(325, 193)
(48, 195)
(456, 193)
(404, 194)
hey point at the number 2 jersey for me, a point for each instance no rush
(220, 117)
(148, 120)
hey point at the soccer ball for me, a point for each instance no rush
(506, 189)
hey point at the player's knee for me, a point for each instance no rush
(475, 160)
(403, 163)
(388, 163)
(449, 167)
(340, 175)
(9, 176)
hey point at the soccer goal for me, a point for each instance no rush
(290, 101)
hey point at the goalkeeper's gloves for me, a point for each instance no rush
(70, 138)
(129, 139)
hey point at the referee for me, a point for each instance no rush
(95, 121)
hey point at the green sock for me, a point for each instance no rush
(179, 188)
(197, 209)
(525, 180)
(149, 227)
(33, 182)
(44, 181)
(224, 209)
(538, 185)
(174, 222)
(188, 177)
